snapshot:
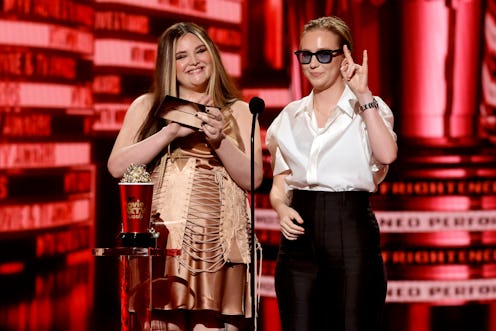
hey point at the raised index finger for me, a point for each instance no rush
(347, 54)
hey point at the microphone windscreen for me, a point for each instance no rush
(257, 105)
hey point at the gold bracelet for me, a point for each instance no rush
(373, 104)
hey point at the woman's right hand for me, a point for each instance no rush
(289, 219)
(177, 130)
(291, 223)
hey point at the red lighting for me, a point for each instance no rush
(70, 68)
(11, 268)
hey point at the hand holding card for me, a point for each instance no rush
(181, 111)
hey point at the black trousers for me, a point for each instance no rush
(332, 277)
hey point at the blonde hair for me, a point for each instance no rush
(332, 24)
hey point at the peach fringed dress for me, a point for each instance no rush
(207, 218)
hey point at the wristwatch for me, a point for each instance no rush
(373, 104)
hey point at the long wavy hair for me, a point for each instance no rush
(220, 88)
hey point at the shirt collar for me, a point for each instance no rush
(347, 103)
(306, 106)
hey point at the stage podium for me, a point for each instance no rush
(139, 320)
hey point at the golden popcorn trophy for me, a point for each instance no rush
(136, 190)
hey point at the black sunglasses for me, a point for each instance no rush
(323, 55)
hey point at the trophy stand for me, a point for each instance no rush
(143, 295)
(136, 247)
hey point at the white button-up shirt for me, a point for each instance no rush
(337, 157)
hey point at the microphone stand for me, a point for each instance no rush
(252, 228)
(256, 107)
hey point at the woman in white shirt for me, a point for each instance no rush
(329, 151)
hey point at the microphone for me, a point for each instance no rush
(257, 105)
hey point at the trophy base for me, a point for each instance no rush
(134, 239)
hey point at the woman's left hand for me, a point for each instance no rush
(213, 125)
(355, 75)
